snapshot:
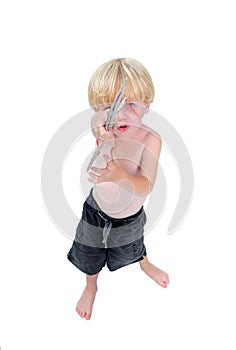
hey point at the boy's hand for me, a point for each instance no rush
(112, 173)
(98, 126)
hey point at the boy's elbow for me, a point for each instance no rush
(151, 185)
(148, 186)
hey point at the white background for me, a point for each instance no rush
(49, 49)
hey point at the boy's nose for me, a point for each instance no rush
(121, 115)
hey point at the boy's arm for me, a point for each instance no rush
(150, 158)
(141, 185)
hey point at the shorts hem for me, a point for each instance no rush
(128, 263)
(76, 264)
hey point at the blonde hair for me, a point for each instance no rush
(107, 80)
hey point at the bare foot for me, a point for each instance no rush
(85, 304)
(154, 272)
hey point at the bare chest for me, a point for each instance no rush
(129, 154)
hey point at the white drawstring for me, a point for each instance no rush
(106, 230)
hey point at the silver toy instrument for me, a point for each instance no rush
(115, 108)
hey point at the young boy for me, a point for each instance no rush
(111, 228)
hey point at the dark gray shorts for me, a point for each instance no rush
(101, 239)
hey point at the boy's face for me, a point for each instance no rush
(129, 119)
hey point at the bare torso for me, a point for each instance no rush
(115, 200)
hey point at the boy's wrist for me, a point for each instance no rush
(137, 185)
(121, 175)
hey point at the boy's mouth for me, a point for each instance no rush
(123, 127)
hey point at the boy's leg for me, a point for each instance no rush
(154, 272)
(85, 303)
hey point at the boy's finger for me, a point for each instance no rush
(113, 154)
(107, 158)
(97, 171)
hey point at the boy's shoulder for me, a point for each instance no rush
(152, 140)
(150, 134)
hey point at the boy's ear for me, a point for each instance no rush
(147, 108)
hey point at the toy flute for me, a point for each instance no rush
(115, 108)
